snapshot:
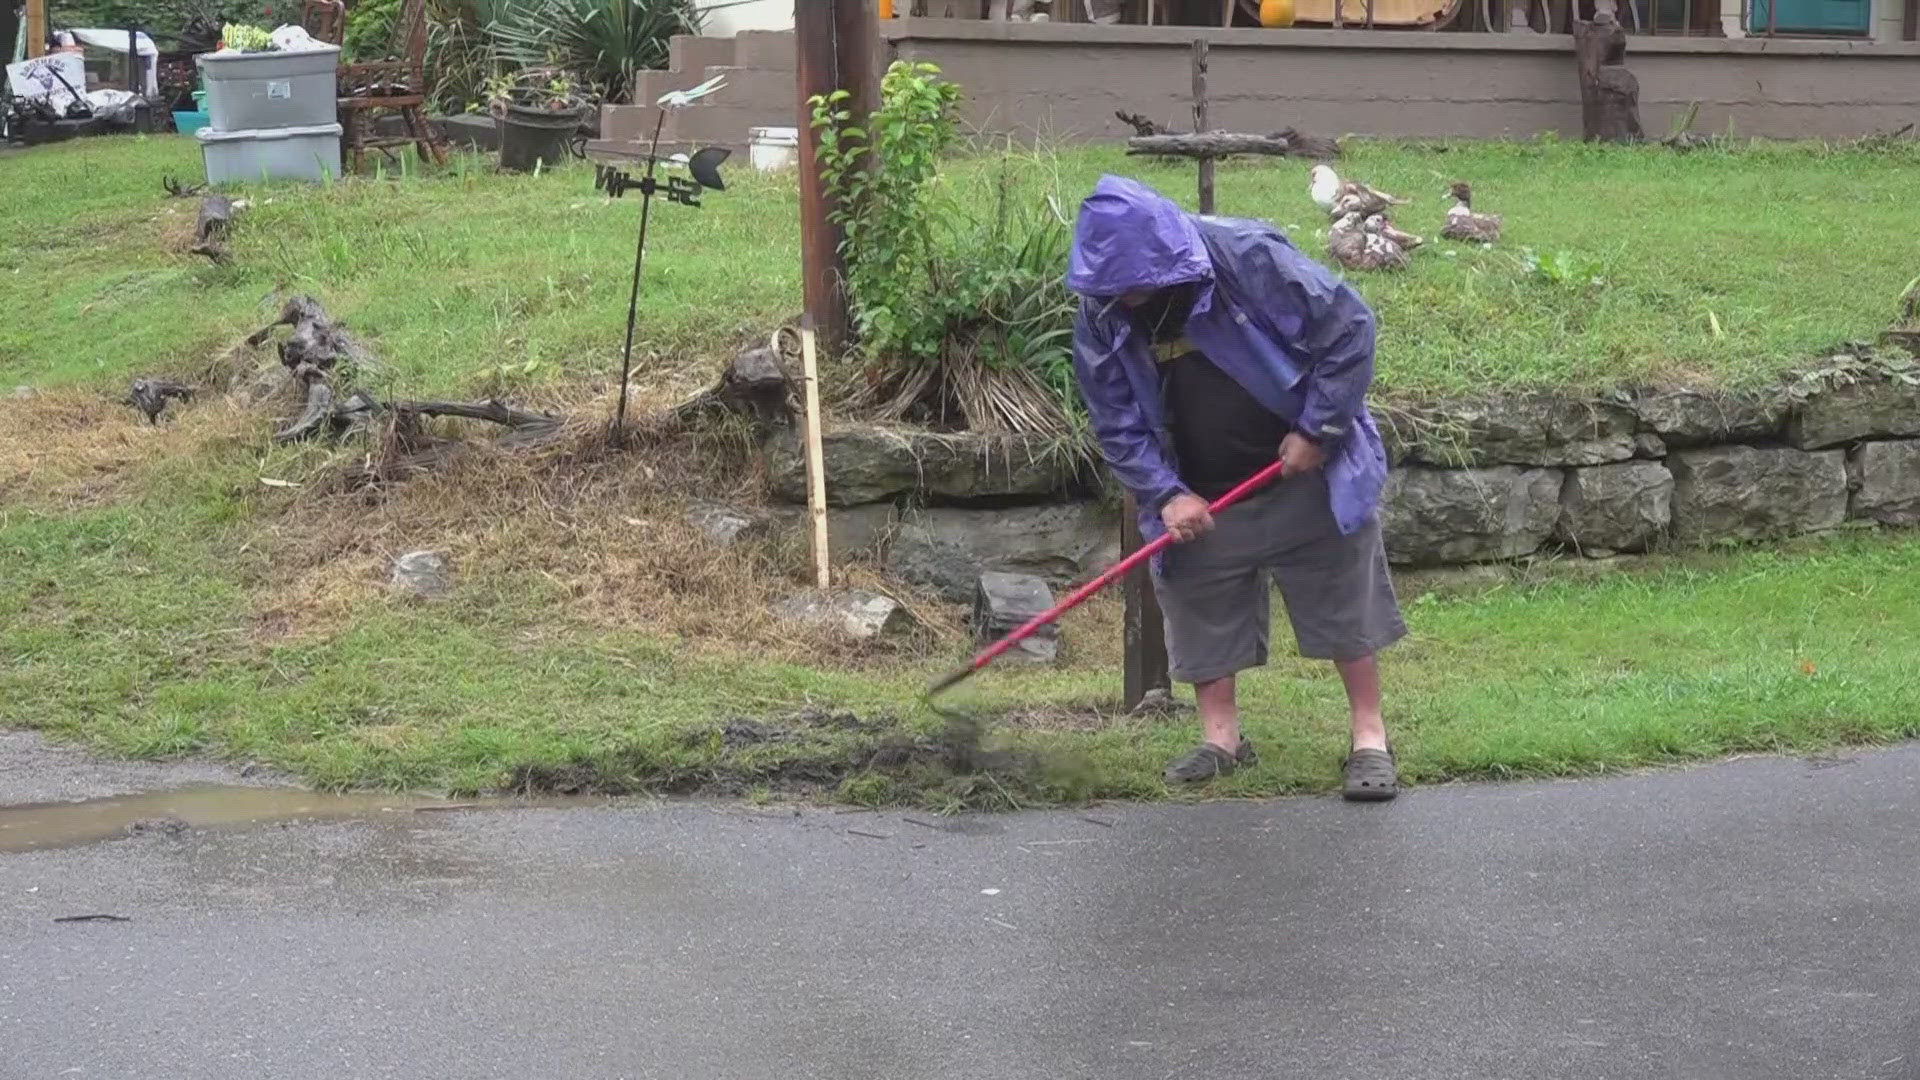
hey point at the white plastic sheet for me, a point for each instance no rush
(116, 41)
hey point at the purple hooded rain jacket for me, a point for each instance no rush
(1296, 337)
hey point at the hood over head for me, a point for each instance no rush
(1129, 237)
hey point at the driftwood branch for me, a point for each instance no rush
(316, 339)
(324, 412)
(1213, 144)
(1609, 93)
(150, 396)
(317, 415)
(1141, 125)
(211, 228)
(492, 411)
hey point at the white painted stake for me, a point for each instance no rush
(816, 467)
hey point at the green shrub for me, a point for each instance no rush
(956, 289)
(372, 26)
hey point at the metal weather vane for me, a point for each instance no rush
(703, 166)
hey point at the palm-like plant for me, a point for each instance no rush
(603, 41)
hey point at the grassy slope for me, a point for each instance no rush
(458, 274)
(134, 607)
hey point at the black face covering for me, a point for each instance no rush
(1164, 315)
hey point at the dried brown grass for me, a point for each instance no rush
(73, 448)
(573, 534)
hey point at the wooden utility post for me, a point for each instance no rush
(836, 48)
(1200, 121)
(36, 29)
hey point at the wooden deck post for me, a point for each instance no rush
(1144, 634)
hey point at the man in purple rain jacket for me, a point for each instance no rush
(1204, 348)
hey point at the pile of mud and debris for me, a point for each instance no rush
(810, 753)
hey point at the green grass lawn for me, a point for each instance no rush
(1717, 265)
(129, 627)
(147, 571)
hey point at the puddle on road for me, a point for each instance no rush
(37, 826)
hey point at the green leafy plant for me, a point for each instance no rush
(957, 296)
(246, 38)
(882, 173)
(460, 56)
(371, 29)
(1564, 269)
(548, 89)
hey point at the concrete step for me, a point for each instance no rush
(693, 52)
(631, 123)
(725, 125)
(770, 50)
(756, 88)
(649, 85)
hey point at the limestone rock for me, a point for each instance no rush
(1650, 446)
(423, 573)
(1889, 483)
(853, 532)
(1747, 492)
(1611, 508)
(1537, 430)
(872, 464)
(727, 525)
(1868, 408)
(1002, 603)
(858, 614)
(1687, 418)
(947, 547)
(1437, 516)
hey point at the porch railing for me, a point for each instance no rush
(1683, 18)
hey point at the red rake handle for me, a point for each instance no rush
(1115, 572)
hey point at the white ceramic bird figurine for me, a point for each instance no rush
(1339, 198)
(680, 99)
(1464, 224)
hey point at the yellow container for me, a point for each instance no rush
(1273, 13)
(886, 9)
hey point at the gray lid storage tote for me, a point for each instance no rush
(250, 91)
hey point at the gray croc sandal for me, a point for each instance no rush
(1370, 776)
(1206, 761)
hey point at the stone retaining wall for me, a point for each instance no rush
(1469, 482)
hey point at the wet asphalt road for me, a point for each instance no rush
(1758, 919)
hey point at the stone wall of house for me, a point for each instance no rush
(1470, 482)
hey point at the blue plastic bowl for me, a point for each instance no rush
(186, 123)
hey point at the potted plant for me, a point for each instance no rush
(539, 111)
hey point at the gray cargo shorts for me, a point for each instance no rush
(1213, 591)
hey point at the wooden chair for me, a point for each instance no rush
(325, 20)
(397, 84)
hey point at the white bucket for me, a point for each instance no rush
(773, 148)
